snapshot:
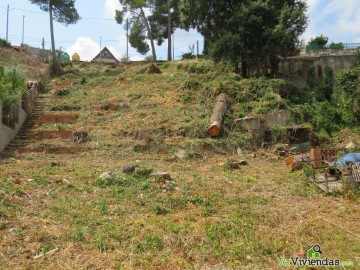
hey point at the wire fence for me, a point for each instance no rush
(334, 46)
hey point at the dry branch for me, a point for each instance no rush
(51, 252)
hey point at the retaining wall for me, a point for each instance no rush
(300, 65)
(7, 134)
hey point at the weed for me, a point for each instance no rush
(151, 243)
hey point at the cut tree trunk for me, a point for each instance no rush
(218, 113)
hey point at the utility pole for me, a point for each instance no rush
(7, 25)
(127, 39)
(43, 43)
(173, 44)
(23, 30)
(197, 49)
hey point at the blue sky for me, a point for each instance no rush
(339, 20)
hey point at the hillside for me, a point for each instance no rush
(79, 200)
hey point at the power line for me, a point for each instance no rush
(44, 13)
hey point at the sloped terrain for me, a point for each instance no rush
(92, 213)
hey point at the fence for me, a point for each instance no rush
(29, 98)
(10, 117)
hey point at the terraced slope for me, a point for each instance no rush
(78, 201)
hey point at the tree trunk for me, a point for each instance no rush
(169, 31)
(217, 116)
(149, 34)
(55, 65)
(244, 69)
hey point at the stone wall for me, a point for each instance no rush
(299, 65)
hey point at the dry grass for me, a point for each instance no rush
(208, 218)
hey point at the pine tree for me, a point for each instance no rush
(64, 12)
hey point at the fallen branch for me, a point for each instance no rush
(49, 253)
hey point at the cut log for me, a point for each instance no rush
(296, 162)
(217, 116)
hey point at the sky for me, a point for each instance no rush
(338, 20)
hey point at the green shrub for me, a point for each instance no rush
(12, 85)
(347, 95)
(321, 115)
(4, 43)
(337, 46)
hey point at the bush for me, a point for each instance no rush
(347, 95)
(337, 46)
(149, 58)
(4, 43)
(321, 115)
(12, 85)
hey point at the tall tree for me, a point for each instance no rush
(165, 19)
(63, 11)
(140, 26)
(247, 32)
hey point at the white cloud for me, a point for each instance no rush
(137, 58)
(338, 20)
(85, 47)
(110, 7)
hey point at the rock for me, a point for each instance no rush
(243, 162)
(144, 172)
(141, 147)
(129, 169)
(180, 154)
(13, 230)
(161, 176)
(351, 145)
(144, 135)
(80, 136)
(152, 69)
(106, 176)
(234, 165)
(17, 181)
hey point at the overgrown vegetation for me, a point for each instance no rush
(12, 86)
(209, 215)
(4, 43)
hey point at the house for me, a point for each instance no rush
(105, 56)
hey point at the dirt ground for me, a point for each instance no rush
(207, 216)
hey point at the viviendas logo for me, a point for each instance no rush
(314, 257)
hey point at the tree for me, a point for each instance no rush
(246, 32)
(140, 25)
(63, 11)
(157, 26)
(317, 43)
(165, 19)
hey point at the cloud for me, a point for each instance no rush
(338, 20)
(85, 47)
(110, 7)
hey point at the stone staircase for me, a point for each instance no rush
(38, 109)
